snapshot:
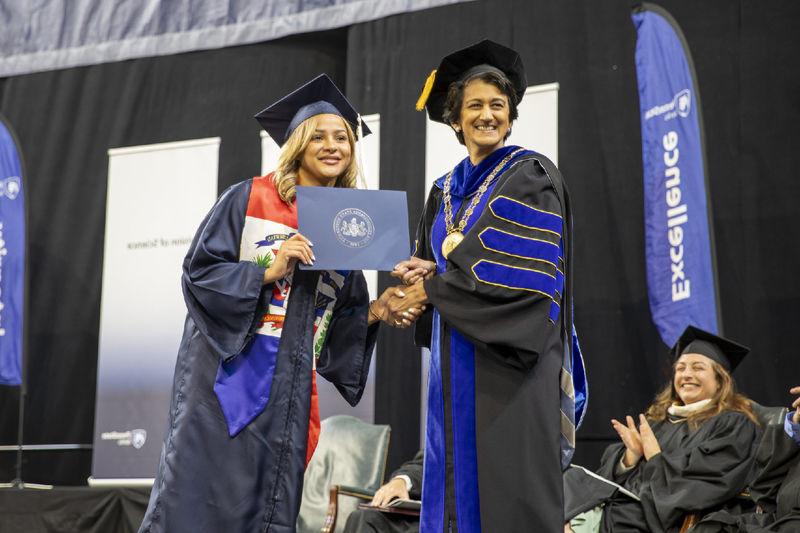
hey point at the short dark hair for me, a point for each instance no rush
(455, 98)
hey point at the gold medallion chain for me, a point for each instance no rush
(448, 205)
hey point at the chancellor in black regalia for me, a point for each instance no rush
(244, 417)
(506, 384)
(691, 452)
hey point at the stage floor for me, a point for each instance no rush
(72, 510)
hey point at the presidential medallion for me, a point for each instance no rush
(450, 242)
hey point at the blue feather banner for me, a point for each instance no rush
(12, 258)
(679, 247)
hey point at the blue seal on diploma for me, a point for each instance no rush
(353, 229)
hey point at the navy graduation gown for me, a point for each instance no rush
(208, 480)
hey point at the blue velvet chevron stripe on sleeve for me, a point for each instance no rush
(518, 246)
(523, 215)
(515, 278)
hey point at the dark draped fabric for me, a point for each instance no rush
(775, 488)
(69, 119)
(743, 51)
(72, 510)
(740, 50)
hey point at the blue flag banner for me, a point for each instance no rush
(12, 258)
(681, 270)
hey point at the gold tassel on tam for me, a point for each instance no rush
(426, 91)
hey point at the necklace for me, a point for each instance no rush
(455, 233)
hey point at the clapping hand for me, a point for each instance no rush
(796, 405)
(650, 445)
(631, 439)
(413, 270)
(638, 442)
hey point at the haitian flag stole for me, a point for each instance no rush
(243, 383)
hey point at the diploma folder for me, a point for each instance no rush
(353, 229)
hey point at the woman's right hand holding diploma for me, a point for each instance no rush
(294, 249)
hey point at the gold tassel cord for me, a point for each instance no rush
(426, 91)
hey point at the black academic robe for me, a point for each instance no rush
(775, 489)
(208, 481)
(370, 521)
(696, 471)
(493, 443)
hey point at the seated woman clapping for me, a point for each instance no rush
(691, 451)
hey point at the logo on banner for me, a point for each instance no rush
(10, 187)
(680, 106)
(353, 227)
(133, 437)
(138, 438)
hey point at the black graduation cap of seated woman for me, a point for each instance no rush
(721, 350)
(319, 96)
(700, 466)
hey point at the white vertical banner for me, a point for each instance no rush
(536, 129)
(368, 150)
(157, 196)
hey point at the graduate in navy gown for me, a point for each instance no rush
(244, 417)
(494, 249)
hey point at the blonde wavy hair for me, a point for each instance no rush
(726, 399)
(285, 175)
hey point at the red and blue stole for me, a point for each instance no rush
(243, 384)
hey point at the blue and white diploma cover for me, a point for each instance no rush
(354, 229)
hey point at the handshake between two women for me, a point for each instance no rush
(398, 306)
(402, 305)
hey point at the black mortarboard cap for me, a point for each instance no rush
(480, 57)
(724, 351)
(317, 97)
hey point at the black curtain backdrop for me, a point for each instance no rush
(744, 53)
(66, 121)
